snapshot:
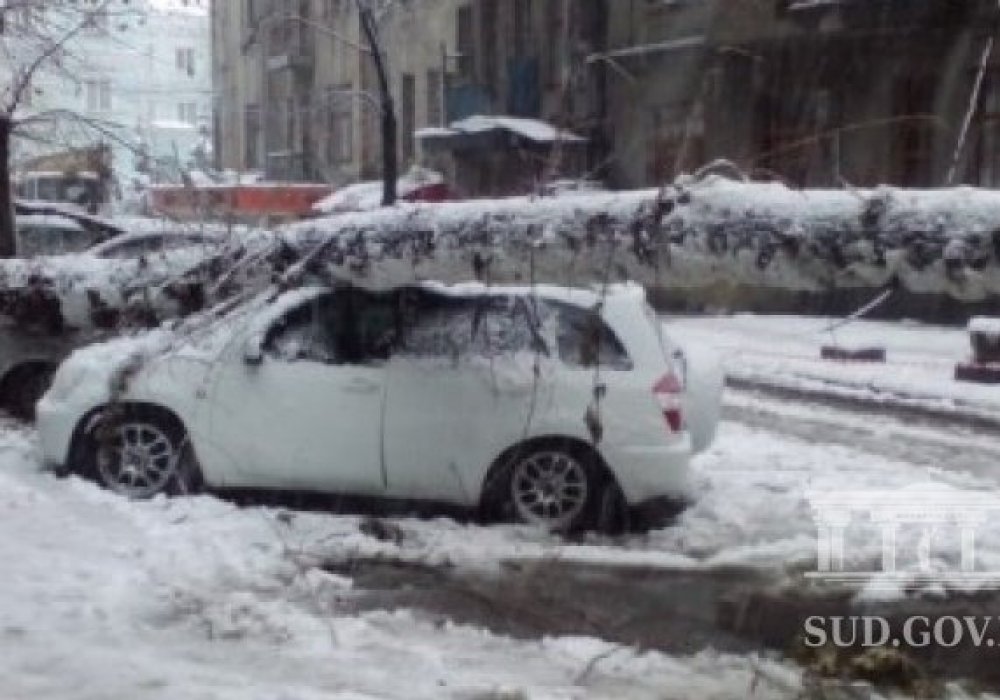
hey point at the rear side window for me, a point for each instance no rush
(586, 341)
(440, 326)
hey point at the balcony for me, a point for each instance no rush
(290, 46)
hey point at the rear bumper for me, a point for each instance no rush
(650, 473)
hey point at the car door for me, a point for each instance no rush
(462, 387)
(305, 414)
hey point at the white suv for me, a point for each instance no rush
(553, 406)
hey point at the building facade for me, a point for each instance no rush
(858, 92)
(862, 92)
(137, 77)
(297, 91)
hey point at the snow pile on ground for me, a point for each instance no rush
(194, 597)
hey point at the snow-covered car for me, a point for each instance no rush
(54, 228)
(134, 245)
(416, 185)
(52, 304)
(552, 406)
(27, 363)
(51, 234)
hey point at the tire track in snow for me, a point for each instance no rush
(872, 428)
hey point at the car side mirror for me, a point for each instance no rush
(253, 349)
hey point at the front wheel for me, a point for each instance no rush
(140, 457)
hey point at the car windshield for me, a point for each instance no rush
(499, 349)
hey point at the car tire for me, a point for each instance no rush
(140, 454)
(554, 488)
(612, 511)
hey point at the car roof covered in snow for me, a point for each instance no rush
(48, 221)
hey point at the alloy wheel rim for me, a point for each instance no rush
(549, 489)
(137, 460)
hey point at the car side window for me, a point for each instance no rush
(308, 332)
(368, 328)
(585, 341)
(443, 326)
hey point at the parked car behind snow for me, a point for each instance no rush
(50, 234)
(134, 245)
(551, 406)
(51, 304)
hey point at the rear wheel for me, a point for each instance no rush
(139, 456)
(555, 489)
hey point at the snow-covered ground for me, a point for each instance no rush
(777, 454)
(196, 598)
(101, 597)
(784, 351)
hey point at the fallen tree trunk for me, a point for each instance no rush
(687, 236)
(690, 235)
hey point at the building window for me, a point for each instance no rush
(26, 18)
(99, 95)
(185, 60)
(290, 113)
(96, 20)
(677, 141)
(187, 112)
(985, 161)
(435, 98)
(409, 116)
(331, 8)
(522, 26)
(553, 42)
(489, 20)
(913, 135)
(466, 44)
(340, 124)
(251, 136)
(251, 13)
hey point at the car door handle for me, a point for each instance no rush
(361, 386)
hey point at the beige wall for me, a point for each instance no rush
(413, 37)
(236, 80)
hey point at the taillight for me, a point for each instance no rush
(668, 392)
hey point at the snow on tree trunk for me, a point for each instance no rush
(692, 235)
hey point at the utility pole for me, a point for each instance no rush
(390, 163)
